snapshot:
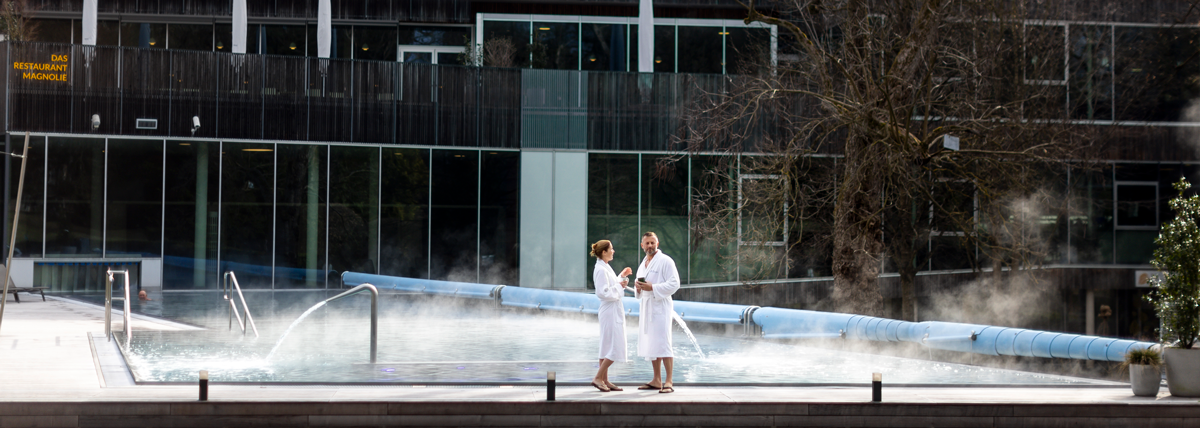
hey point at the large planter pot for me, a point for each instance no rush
(1183, 371)
(1145, 380)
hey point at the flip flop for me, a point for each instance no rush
(614, 387)
(649, 386)
(666, 390)
(600, 387)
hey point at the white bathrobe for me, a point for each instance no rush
(654, 323)
(611, 314)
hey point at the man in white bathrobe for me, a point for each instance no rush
(654, 323)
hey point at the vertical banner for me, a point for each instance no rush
(646, 37)
(239, 26)
(89, 22)
(324, 29)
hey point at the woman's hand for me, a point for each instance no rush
(625, 272)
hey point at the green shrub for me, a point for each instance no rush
(1176, 294)
(1144, 356)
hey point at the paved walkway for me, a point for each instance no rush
(49, 377)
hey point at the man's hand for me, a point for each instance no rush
(645, 286)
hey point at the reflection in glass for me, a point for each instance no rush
(300, 192)
(1091, 68)
(375, 43)
(433, 36)
(75, 197)
(190, 226)
(191, 37)
(1156, 72)
(516, 32)
(453, 215)
(283, 40)
(665, 207)
(1091, 220)
(418, 57)
(354, 209)
(747, 50)
(247, 196)
(108, 33)
(404, 218)
(603, 47)
(664, 49)
(144, 35)
(555, 46)
(134, 212)
(341, 42)
(612, 209)
(449, 58)
(29, 224)
(50, 30)
(701, 49)
(498, 222)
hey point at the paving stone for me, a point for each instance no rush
(7, 421)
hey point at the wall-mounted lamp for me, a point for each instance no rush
(365, 47)
(292, 46)
(195, 124)
(152, 41)
(220, 45)
(658, 60)
(95, 122)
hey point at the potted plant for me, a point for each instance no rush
(1144, 374)
(1176, 293)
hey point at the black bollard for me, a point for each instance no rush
(876, 387)
(203, 385)
(549, 386)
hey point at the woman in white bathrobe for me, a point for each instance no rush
(610, 288)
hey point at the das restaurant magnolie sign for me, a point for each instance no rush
(54, 71)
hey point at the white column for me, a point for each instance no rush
(646, 37)
(239, 26)
(324, 28)
(89, 22)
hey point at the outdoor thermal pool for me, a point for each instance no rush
(444, 340)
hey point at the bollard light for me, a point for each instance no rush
(876, 387)
(549, 386)
(203, 385)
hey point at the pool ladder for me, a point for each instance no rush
(374, 312)
(228, 283)
(108, 280)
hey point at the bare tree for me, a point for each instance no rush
(855, 128)
(15, 20)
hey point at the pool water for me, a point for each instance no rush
(445, 340)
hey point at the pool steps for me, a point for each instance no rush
(781, 323)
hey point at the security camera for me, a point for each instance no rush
(195, 124)
(95, 122)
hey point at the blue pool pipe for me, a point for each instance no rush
(781, 323)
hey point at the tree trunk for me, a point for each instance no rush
(856, 242)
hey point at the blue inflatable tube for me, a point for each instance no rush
(428, 286)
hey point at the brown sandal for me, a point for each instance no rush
(613, 387)
(649, 386)
(666, 390)
(602, 388)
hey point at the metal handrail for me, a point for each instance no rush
(108, 304)
(374, 311)
(230, 278)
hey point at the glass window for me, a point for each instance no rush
(375, 43)
(1091, 65)
(603, 47)
(515, 32)
(341, 42)
(555, 46)
(1044, 59)
(108, 33)
(664, 49)
(612, 207)
(404, 220)
(747, 50)
(75, 197)
(1156, 72)
(435, 36)
(449, 58)
(190, 229)
(418, 57)
(300, 195)
(665, 207)
(283, 40)
(354, 208)
(1091, 215)
(49, 30)
(247, 196)
(190, 36)
(143, 35)
(701, 49)
(498, 222)
(1137, 204)
(33, 196)
(714, 250)
(225, 38)
(453, 216)
(134, 212)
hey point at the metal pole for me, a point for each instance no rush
(108, 305)
(374, 311)
(12, 241)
